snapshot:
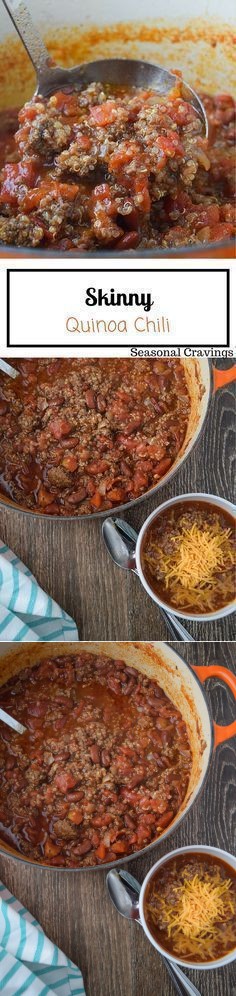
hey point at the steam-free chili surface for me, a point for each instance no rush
(204, 941)
(80, 436)
(117, 168)
(162, 550)
(103, 768)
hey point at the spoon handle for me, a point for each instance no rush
(8, 369)
(10, 721)
(176, 630)
(185, 987)
(182, 984)
(29, 35)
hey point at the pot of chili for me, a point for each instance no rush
(118, 745)
(187, 907)
(92, 201)
(186, 556)
(92, 436)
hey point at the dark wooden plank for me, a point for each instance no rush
(73, 908)
(71, 563)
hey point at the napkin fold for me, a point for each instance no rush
(27, 613)
(29, 962)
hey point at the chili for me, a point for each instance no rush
(103, 767)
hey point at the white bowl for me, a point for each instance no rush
(214, 851)
(221, 503)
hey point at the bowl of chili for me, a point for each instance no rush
(185, 556)
(188, 906)
(93, 436)
(92, 782)
(92, 201)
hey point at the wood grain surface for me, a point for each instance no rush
(73, 907)
(70, 561)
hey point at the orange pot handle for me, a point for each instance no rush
(221, 733)
(223, 377)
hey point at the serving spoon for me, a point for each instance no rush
(120, 541)
(10, 721)
(129, 72)
(7, 369)
(124, 891)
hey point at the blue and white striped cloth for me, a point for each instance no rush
(26, 612)
(29, 962)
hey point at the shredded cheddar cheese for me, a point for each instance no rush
(197, 555)
(201, 904)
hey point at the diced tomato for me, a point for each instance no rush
(60, 427)
(103, 114)
(170, 144)
(70, 463)
(66, 191)
(29, 112)
(14, 176)
(64, 780)
(83, 141)
(96, 500)
(68, 103)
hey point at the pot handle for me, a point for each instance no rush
(221, 733)
(223, 377)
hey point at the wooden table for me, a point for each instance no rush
(70, 561)
(115, 957)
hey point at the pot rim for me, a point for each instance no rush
(191, 496)
(193, 848)
(177, 252)
(13, 506)
(106, 866)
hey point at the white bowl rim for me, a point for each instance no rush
(190, 496)
(193, 848)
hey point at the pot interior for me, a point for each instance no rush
(159, 662)
(197, 374)
(198, 46)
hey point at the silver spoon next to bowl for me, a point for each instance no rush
(120, 541)
(131, 72)
(124, 891)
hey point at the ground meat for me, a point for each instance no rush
(103, 767)
(47, 135)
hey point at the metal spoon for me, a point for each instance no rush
(10, 721)
(120, 541)
(128, 71)
(7, 369)
(124, 891)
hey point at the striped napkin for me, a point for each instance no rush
(29, 962)
(26, 612)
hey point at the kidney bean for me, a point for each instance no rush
(90, 399)
(106, 759)
(83, 848)
(77, 496)
(95, 754)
